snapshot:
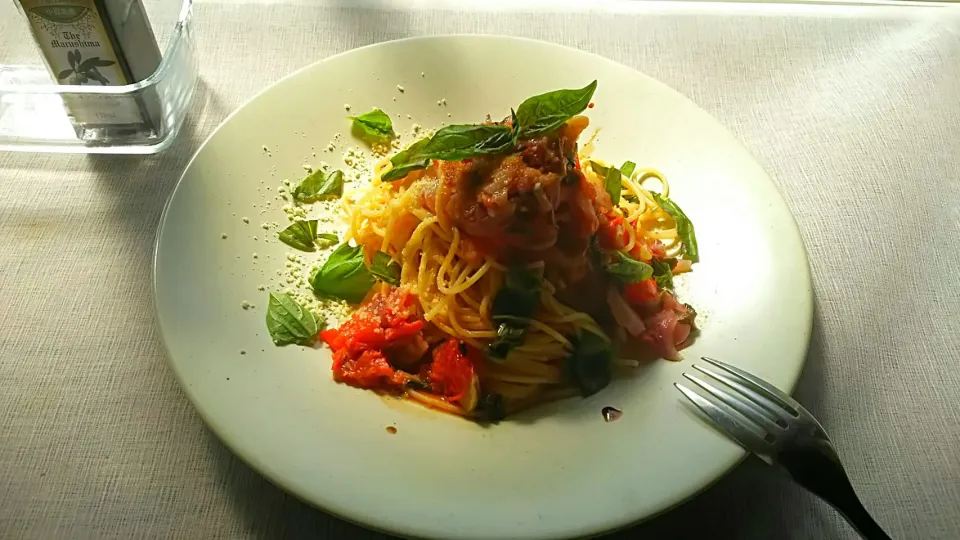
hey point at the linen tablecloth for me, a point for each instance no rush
(853, 111)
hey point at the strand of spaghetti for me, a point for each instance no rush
(431, 313)
(437, 403)
(588, 323)
(646, 174)
(526, 367)
(484, 307)
(529, 379)
(439, 203)
(416, 238)
(445, 265)
(470, 281)
(661, 234)
(463, 332)
(388, 232)
(631, 236)
(440, 230)
(512, 391)
(422, 274)
(534, 323)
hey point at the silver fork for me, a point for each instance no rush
(780, 431)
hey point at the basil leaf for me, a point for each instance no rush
(513, 306)
(628, 168)
(612, 180)
(626, 269)
(289, 322)
(300, 235)
(344, 275)
(599, 169)
(373, 126)
(407, 160)
(462, 141)
(328, 237)
(663, 273)
(452, 143)
(319, 185)
(613, 183)
(385, 269)
(509, 335)
(589, 365)
(547, 112)
(490, 408)
(684, 227)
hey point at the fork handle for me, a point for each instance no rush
(820, 471)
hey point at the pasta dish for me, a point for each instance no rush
(497, 265)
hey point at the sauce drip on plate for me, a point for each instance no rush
(611, 413)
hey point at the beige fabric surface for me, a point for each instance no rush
(856, 115)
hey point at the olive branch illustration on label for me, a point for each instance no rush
(83, 71)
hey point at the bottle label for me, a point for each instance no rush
(78, 50)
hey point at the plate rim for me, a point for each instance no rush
(261, 469)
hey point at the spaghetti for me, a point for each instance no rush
(525, 273)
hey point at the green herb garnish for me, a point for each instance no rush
(628, 168)
(463, 141)
(684, 227)
(539, 114)
(328, 237)
(289, 322)
(513, 306)
(547, 112)
(663, 273)
(385, 269)
(589, 364)
(626, 269)
(451, 143)
(319, 185)
(343, 275)
(301, 235)
(490, 408)
(374, 126)
(407, 160)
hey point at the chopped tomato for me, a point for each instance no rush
(451, 372)
(657, 249)
(642, 293)
(612, 235)
(369, 370)
(364, 345)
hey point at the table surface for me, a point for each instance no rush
(854, 112)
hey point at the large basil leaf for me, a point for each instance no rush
(289, 322)
(319, 185)
(663, 273)
(462, 141)
(385, 269)
(589, 365)
(407, 160)
(513, 306)
(626, 269)
(451, 143)
(685, 230)
(547, 112)
(300, 235)
(344, 275)
(373, 126)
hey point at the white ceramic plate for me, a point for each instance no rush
(557, 471)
